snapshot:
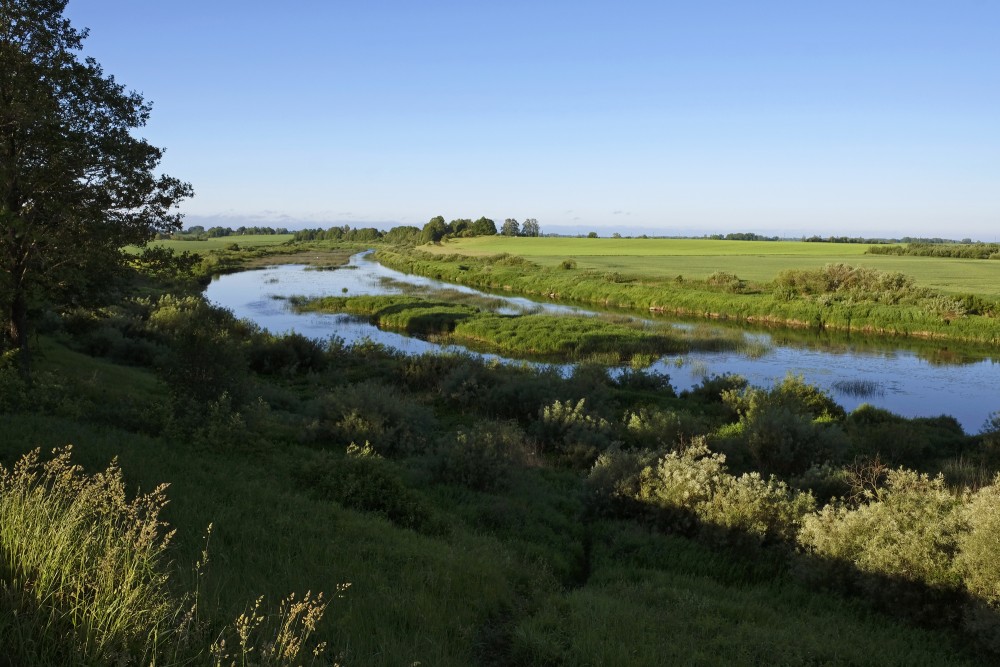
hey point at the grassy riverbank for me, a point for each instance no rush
(483, 514)
(835, 297)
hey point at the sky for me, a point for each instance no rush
(873, 118)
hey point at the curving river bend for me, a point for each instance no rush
(897, 379)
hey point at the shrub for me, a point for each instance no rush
(373, 412)
(679, 483)
(657, 429)
(766, 510)
(692, 491)
(787, 428)
(571, 433)
(362, 480)
(712, 388)
(908, 532)
(728, 282)
(289, 354)
(644, 380)
(979, 552)
(207, 356)
(483, 457)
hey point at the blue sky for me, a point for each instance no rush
(791, 118)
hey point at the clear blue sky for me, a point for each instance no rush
(792, 118)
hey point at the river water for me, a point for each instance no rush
(912, 384)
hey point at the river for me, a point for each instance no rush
(863, 371)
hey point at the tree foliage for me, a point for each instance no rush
(75, 184)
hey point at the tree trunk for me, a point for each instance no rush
(17, 332)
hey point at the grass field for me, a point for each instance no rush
(247, 241)
(750, 260)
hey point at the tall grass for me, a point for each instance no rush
(83, 580)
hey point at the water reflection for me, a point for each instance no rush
(919, 380)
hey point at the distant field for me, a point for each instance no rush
(250, 240)
(750, 260)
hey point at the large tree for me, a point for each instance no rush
(530, 228)
(76, 184)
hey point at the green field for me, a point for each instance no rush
(758, 261)
(246, 241)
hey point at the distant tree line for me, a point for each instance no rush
(843, 239)
(743, 236)
(199, 233)
(437, 229)
(341, 233)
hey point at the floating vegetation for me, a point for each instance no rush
(698, 368)
(459, 319)
(330, 267)
(271, 281)
(754, 348)
(860, 388)
(451, 295)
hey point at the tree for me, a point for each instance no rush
(75, 184)
(484, 227)
(457, 227)
(531, 228)
(434, 230)
(510, 227)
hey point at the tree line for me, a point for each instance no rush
(199, 233)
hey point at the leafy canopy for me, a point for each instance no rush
(75, 184)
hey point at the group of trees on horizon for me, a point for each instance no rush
(437, 229)
(199, 233)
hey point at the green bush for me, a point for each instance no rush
(481, 458)
(978, 557)
(908, 532)
(362, 480)
(750, 506)
(654, 428)
(393, 422)
(571, 433)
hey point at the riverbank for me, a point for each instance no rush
(880, 304)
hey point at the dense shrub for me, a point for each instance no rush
(728, 282)
(909, 532)
(289, 354)
(712, 388)
(392, 422)
(644, 380)
(654, 428)
(751, 506)
(573, 435)
(785, 429)
(978, 559)
(859, 284)
(362, 480)
(692, 492)
(483, 457)
(207, 351)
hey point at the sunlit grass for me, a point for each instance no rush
(751, 260)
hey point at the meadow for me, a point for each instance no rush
(828, 297)
(221, 242)
(758, 261)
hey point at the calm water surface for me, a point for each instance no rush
(904, 382)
